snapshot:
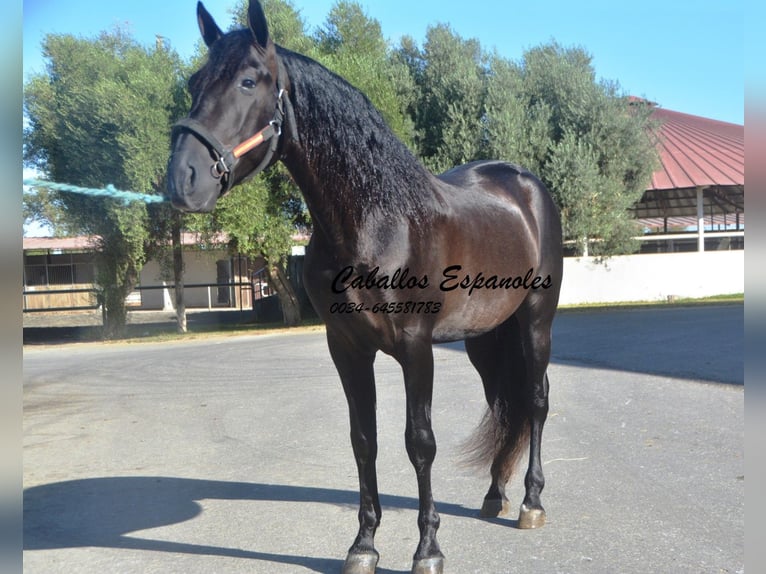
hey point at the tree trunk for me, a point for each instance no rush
(291, 308)
(178, 274)
(117, 275)
(114, 311)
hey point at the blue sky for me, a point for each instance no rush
(685, 55)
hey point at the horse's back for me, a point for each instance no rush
(479, 181)
(463, 175)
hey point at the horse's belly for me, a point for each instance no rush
(475, 303)
(473, 318)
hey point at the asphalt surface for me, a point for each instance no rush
(232, 455)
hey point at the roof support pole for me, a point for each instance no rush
(700, 221)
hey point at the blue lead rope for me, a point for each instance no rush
(108, 191)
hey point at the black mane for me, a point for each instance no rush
(351, 148)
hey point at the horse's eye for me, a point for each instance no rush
(248, 84)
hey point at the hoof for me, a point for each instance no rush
(531, 517)
(428, 566)
(360, 564)
(494, 507)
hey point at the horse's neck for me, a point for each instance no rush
(325, 216)
(349, 166)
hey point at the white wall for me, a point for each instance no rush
(199, 267)
(652, 277)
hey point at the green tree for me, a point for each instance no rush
(516, 129)
(581, 136)
(101, 113)
(255, 219)
(351, 44)
(450, 75)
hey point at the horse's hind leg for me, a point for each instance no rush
(512, 361)
(355, 368)
(536, 341)
(502, 435)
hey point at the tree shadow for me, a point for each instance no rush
(102, 512)
(692, 342)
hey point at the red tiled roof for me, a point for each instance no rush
(81, 243)
(698, 152)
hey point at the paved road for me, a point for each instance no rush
(696, 342)
(231, 455)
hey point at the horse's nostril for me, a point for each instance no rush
(192, 175)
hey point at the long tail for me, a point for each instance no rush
(502, 437)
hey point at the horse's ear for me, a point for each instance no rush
(256, 19)
(207, 26)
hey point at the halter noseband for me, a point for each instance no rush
(226, 159)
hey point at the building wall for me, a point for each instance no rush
(58, 271)
(652, 277)
(199, 267)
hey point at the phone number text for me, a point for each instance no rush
(414, 307)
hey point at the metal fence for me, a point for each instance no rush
(87, 298)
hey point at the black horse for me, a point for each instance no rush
(399, 258)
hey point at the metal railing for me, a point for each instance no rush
(672, 242)
(94, 302)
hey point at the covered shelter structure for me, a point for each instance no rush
(696, 200)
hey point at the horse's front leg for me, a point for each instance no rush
(355, 368)
(416, 358)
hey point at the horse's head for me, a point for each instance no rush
(234, 125)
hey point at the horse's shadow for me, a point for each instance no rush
(102, 512)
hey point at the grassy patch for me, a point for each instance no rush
(716, 299)
(162, 332)
(168, 333)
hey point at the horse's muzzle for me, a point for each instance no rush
(185, 193)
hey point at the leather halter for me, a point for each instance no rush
(225, 159)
